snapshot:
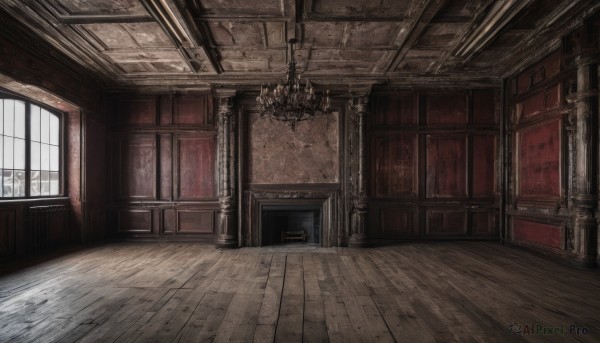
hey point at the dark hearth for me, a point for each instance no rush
(291, 224)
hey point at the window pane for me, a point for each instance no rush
(45, 153)
(19, 188)
(45, 125)
(35, 156)
(35, 123)
(19, 119)
(19, 153)
(54, 129)
(45, 183)
(35, 183)
(7, 183)
(9, 117)
(8, 152)
(54, 184)
(54, 158)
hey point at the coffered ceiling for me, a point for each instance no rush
(207, 43)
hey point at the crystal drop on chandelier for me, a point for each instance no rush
(292, 100)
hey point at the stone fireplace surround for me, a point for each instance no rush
(324, 196)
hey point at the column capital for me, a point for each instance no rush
(359, 103)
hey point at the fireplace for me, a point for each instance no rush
(291, 224)
(292, 213)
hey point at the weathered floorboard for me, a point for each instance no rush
(192, 292)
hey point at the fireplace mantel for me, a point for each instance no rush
(325, 196)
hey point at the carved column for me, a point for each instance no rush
(585, 187)
(227, 237)
(358, 237)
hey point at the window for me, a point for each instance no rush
(30, 149)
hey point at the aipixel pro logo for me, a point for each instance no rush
(516, 329)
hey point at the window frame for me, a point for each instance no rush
(4, 95)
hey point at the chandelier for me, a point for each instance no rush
(289, 101)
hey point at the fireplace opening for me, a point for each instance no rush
(291, 224)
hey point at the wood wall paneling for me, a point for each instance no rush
(193, 110)
(485, 107)
(394, 165)
(538, 233)
(138, 110)
(539, 160)
(394, 220)
(484, 222)
(445, 221)
(446, 109)
(169, 220)
(484, 166)
(137, 167)
(195, 221)
(543, 70)
(166, 167)
(196, 157)
(446, 166)
(394, 110)
(135, 220)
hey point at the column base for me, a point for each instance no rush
(226, 242)
(358, 241)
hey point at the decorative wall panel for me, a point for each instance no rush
(164, 166)
(433, 165)
(446, 166)
(484, 166)
(538, 233)
(195, 221)
(140, 110)
(193, 110)
(484, 107)
(196, 165)
(394, 167)
(310, 154)
(139, 221)
(446, 109)
(399, 109)
(137, 167)
(539, 161)
(446, 222)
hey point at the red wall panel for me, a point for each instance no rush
(394, 170)
(484, 223)
(397, 109)
(394, 220)
(484, 166)
(446, 222)
(540, 233)
(196, 162)
(446, 109)
(139, 110)
(484, 107)
(539, 160)
(446, 166)
(137, 167)
(192, 109)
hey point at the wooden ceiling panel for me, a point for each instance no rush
(101, 7)
(125, 43)
(364, 8)
(233, 59)
(216, 7)
(155, 61)
(228, 33)
(130, 35)
(440, 35)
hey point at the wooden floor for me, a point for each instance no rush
(416, 292)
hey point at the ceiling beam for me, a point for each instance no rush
(169, 16)
(420, 23)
